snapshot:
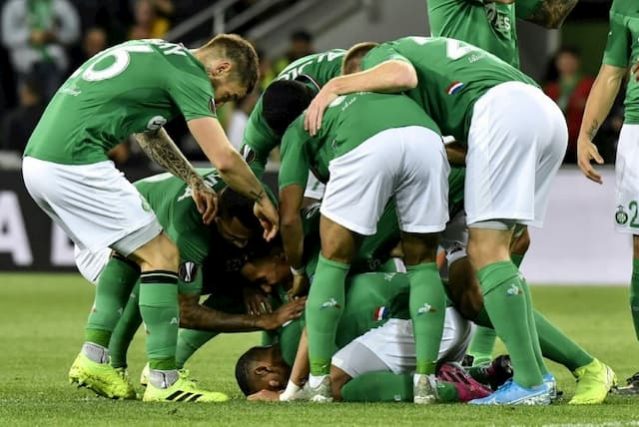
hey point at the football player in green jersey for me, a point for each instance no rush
(490, 25)
(488, 105)
(372, 157)
(259, 139)
(622, 51)
(234, 226)
(134, 88)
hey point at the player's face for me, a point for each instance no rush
(233, 231)
(227, 90)
(269, 375)
(267, 272)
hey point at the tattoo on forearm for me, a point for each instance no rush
(592, 131)
(161, 149)
(552, 13)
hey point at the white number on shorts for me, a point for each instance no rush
(634, 210)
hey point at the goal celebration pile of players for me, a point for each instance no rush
(341, 270)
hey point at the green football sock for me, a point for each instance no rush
(324, 308)
(505, 302)
(385, 386)
(634, 295)
(379, 386)
(517, 259)
(481, 346)
(111, 294)
(554, 344)
(533, 330)
(189, 341)
(427, 311)
(125, 330)
(160, 312)
(558, 347)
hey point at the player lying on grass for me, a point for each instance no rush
(373, 335)
(225, 241)
(621, 50)
(372, 157)
(389, 350)
(273, 276)
(487, 105)
(135, 88)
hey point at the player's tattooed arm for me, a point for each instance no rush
(552, 13)
(159, 146)
(196, 316)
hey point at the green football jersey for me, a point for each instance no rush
(369, 298)
(348, 121)
(170, 199)
(133, 87)
(490, 26)
(452, 75)
(622, 50)
(259, 139)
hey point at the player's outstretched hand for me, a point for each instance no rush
(255, 301)
(587, 152)
(315, 111)
(300, 286)
(268, 216)
(264, 396)
(205, 200)
(290, 311)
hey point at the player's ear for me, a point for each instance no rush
(261, 370)
(222, 67)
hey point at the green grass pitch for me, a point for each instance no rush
(41, 326)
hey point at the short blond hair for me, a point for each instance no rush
(352, 59)
(241, 53)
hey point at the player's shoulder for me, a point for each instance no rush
(174, 58)
(625, 8)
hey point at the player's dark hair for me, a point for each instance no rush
(353, 58)
(242, 54)
(243, 368)
(232, 204)
(283, 101)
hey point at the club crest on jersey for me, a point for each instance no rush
(454, 88)
(621, 216)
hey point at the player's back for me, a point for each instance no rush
(452, 76)
(129, 88)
